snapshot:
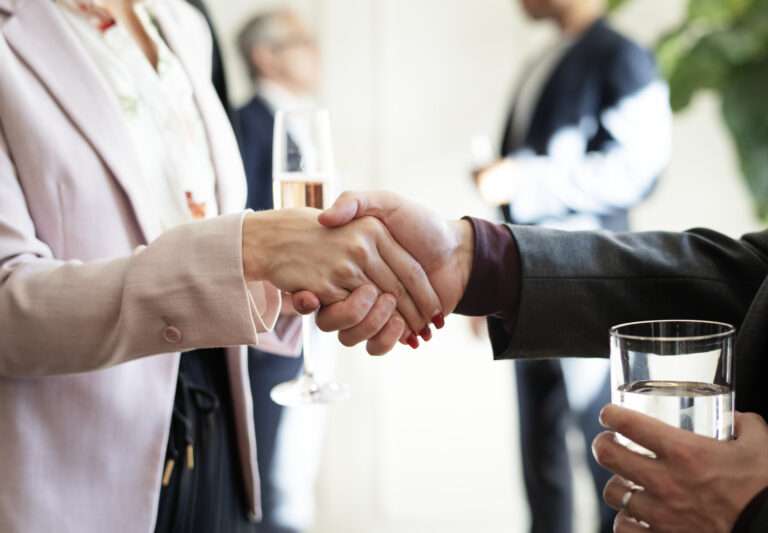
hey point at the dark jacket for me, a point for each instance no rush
(255, 124)
(603, 109)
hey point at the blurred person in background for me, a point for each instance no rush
(586, 139)
(280, 51)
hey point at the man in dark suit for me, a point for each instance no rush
(587, 136)
(279, 50)
(551, 291)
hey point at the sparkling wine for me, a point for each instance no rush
(703, 408)
(301, 193)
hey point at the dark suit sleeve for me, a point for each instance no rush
(576, 285)
(754, 517)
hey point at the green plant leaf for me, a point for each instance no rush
(703, 67)
(717, 13)
(745, 109)
(615, 4)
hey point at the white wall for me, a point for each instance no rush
(429, 440)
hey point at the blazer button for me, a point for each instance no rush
(172, 334)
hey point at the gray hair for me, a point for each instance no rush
(264, 29)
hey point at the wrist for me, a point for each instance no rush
(464, 252)
(255, 254)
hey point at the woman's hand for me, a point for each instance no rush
(443, 248)
(291, 250)
(695, 483)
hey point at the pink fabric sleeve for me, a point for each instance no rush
(184, 290)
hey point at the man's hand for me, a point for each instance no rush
(694, 483)
(497, 181)
(443, 249)
(290, 249)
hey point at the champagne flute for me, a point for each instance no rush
(302, 176)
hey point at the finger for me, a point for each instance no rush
(349, 312)
(412, 276)
(343, 210)
(373, 322)
(305, 302)
(619, 459)
(386, 339)
(624, 524)
(614, 491)
(747, 426)
(644, 430)
(638, 505)
(350, 205)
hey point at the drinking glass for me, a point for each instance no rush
(302, 176)
(678, 371)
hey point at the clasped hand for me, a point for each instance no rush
(382, 268)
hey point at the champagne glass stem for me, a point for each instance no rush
(307, 323)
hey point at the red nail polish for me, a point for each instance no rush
(413, 341)
(438, 320)
(426, 333)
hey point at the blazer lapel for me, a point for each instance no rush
(40, 36)
(225, 155)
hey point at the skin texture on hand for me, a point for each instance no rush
(291, 250)
(694, 483)
(443, 248)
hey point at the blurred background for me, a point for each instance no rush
(428, 442)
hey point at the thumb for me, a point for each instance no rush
(345, 209)
(351, 205)
(305, 302)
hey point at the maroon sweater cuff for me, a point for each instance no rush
(493, 287)
(744, 522)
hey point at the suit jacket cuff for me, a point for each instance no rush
(493, 287)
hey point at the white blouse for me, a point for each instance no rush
(177, 178)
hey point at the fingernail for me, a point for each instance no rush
(438, 320)
(601, 417)
(426, 333)
(413, 341)
(370, 294)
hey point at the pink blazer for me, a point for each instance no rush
(87, 291)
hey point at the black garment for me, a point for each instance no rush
(544, 421)
(218, 77)
(255, 125)
(209, 497)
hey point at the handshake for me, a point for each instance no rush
(379, 267)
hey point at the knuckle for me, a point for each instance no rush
(399, 291)
(372, 225)
(346, 271)
(359, 250)
(329, 293)
(415, 274)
